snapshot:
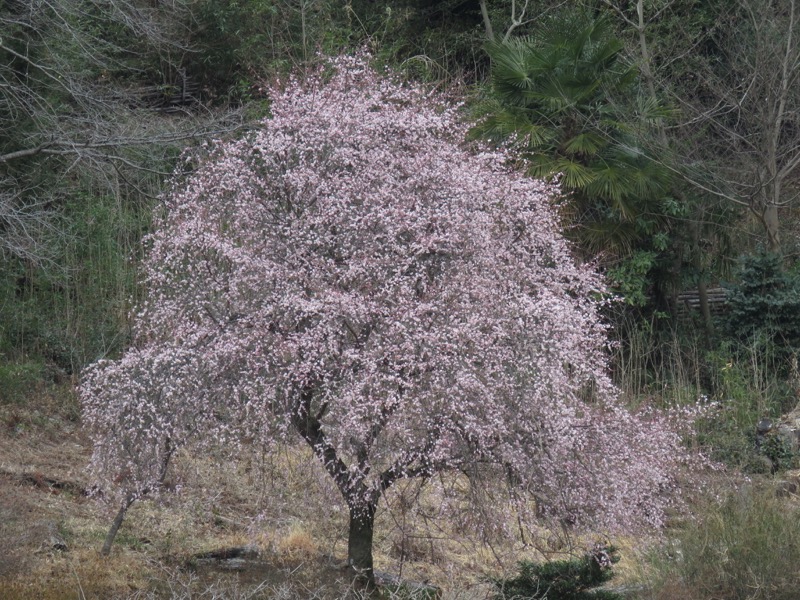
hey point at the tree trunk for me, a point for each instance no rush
(487, 22)
(359, 543)
(129, 500)
(705, 309)
(772, 226)
(112, 532)
(699, 266)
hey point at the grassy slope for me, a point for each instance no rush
(274, 502)
(50, 531)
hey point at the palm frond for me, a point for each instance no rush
(541, 165)
(574, 174)
(570, 99)
(610, 237)
(651, 111)
(612, 183)
(586, 143)
(517, 124)
(511, 70)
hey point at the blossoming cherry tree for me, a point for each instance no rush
(351, 275)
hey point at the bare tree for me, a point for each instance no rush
(753, 111)
(517, 14)
(23, 226)
(740, 136)
(81, 85)
(640, 21)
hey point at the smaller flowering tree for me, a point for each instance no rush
(350, 275)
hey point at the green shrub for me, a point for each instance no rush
(18, 379)
(574, 579)
(746, 380)
(765, 305)
(779, 450)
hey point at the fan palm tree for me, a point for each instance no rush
(567, 102)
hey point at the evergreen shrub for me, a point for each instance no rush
(765, 304)
(576, 579)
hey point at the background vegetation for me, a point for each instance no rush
(673, 123)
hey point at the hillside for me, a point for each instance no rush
(53, 526)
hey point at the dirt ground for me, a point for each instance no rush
(52, 527)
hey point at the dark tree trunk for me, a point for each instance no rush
(112, 532)
(359, 544)
(705, 308)
(129, 500)
(699, 266)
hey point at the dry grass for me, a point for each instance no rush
(280, 503)
(297, 545)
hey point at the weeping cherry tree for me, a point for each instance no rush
(350, 275)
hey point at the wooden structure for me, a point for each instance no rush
(688, 302)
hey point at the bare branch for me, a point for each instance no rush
(487, 22)
(89, 112)
(516, 20)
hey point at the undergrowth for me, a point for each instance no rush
(745, 547)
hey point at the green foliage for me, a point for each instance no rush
(630, 277)
(575, 579)
(241, 43)
(18, 379)
(742, 377)
(748, 370)
(437, 41)
(568, 103)
(562, 95)
(74, 310)
(778, 449)
(765, 304)
(90, 154)
(747, 382)
(649, 364)
(744, 547)
(668, 367)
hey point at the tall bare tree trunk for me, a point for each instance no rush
(772, 226)
(487, 22)
(697, 263)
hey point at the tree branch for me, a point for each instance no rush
(61, 147)
(487, 23)
(515, 21)
(310, 429)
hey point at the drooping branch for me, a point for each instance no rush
(169, 450)
(377, 428)
(404, 466)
